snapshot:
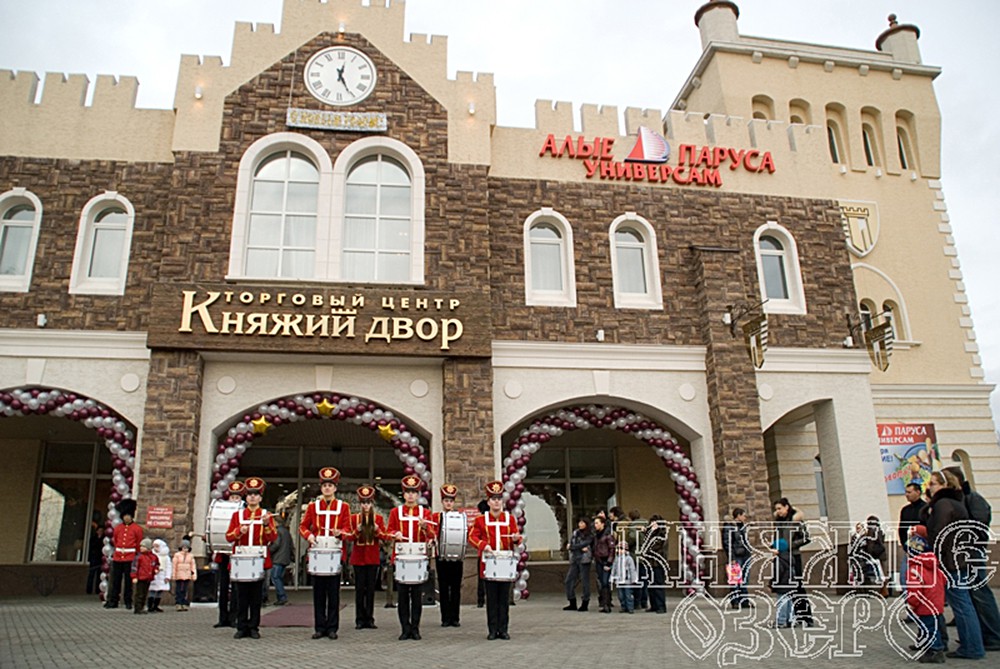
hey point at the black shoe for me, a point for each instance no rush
(932, 657)
(318, 635)
(218, 625)
(390, 606)
(109, 605)
(332, 635)
(492, 636)
(138, 612)
(254, 634)
(455, 623)
(445, 624)
(958, 656)
(992, 648)
(504, 636)
(571, 606)
(359, 626)
(241, 635)
(479, 606)
(404, 636)
(415, 635)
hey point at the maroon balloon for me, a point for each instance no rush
(525, 594)
(408, 471)
(519, 487)
(223, 469)
(240, 438)
(516, 494)
(511, 504)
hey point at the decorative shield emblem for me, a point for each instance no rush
(755, 337)
(861, 226)
(878, 341)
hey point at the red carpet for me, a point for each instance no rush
(290, 615)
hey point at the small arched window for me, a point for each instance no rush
(20, 221)
(634, 263)
(377, 221)
(778, 272)
(549, 273)
(903, 147)
(889, 311)
(866, 310)
(103, 244)
(870, 145)
(833, 141)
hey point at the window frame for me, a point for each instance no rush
(652, 298)
(80, 283)
(795, 303)
(20, 283)
(551, 298)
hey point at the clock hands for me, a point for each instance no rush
(340, 78)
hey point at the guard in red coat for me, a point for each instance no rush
(227, 594)
(251, 530)
(411, 523)
(449, 569)
(367, 530)
(492, 531)
(125, 540)
(323, 525)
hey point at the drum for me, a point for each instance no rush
(220, 512)
(500, 566)
(412, 565)
(453, 533)
(246, 567)
(411, 548)
(325, 561)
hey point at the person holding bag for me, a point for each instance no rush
(581, 555)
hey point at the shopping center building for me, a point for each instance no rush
(328, 254)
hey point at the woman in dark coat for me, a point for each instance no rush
(790, 525)
(581, 555)
(604, 557)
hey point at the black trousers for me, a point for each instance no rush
(326, 603)
(227, 599)
(365, 576)
(248, 599)
(409, 606)
(449, 575)
(121, 571)
(497, 606)
(657, 591)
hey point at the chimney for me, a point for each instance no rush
(900, 41)
(716, 21)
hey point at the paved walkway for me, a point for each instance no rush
(78, 632)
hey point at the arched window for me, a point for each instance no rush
(870, 146)
(103, 244)
(634, 263)
(889, 311)
(866, 311)
(377, 221)
(903, 147)
(833, 141)
(20, 221)
(778, 270)
(284, 201)
(549, 273)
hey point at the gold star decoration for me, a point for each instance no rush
(386, 432)
(325, 408)
(260, 426)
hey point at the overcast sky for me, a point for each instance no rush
(628, 53)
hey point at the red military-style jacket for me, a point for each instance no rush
(261, 533)
(406, 519)
(126, 541)
(145, 566)
(366, 553)
(494, 532)
(321, 518)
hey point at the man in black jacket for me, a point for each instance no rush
(734, 542)
(909, 516)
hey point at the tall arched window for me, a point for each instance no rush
(103, 244)
(377, 221)
(866, 310)
(634, 263)
(778, 270)
(870, 145)
(903, 147)
(833, 141)
(20, 219)
(549, 273)
(284, 201)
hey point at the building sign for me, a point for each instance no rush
(647, 161)
(160, 517)
(302, 319)
(909, 454)
(336, 120)
(861, 226)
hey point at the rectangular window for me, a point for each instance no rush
(775, 282)
(14, 243)
(106, 255)
(546, 267)
(631, 270)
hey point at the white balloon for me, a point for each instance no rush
(525, 574)
(515, 477)
(422, 500)
(411, 460)
(366, 417)
(517, 593)
(426, 476)
(509, 486)
(216, 494)
(419, 468)
(240, 448)
(232, 432)
(230, 453)
(122, 488)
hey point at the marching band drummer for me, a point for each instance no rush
(227, 600)
(367, 529)
(251, 526)
(411, 523)
(326, 517)
(495, 530)
(449, 572)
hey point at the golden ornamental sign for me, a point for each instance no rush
(878, 341)
(861, 226)
(755, 338)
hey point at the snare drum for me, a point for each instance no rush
(454, 531)
(325, 561)
(246, 567)
(220, 512)
(412, 566)
(500, 566)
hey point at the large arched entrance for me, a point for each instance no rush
(77, 462)
(526, 464)
(287, 440)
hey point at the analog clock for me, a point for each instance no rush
(340, 76)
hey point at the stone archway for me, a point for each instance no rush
(568, 419)
(118, 435)
(238, 434)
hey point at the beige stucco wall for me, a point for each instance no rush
(18, 497)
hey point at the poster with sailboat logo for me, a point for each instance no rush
(909, 454)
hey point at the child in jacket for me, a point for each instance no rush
(625, 576)
(144, 567)
(185, 572)
(925, 583)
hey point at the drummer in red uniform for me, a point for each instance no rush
(252, 526)
(367, 529)
(325, 519)
(495, 530)
(125, 540)
(449, 572)
(227, 603)
(411, 523)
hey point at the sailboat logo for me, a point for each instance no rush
(650, 147)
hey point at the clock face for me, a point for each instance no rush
(340, 76)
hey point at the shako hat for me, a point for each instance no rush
(411, 483)
(449, 491)
(366, 493)
(255, 484)
(237, 488)
(493, 488)
(329, 475)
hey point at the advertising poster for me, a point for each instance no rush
(909, 453)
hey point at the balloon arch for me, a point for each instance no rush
(118, 435)
(541, 430)
(241, 432)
